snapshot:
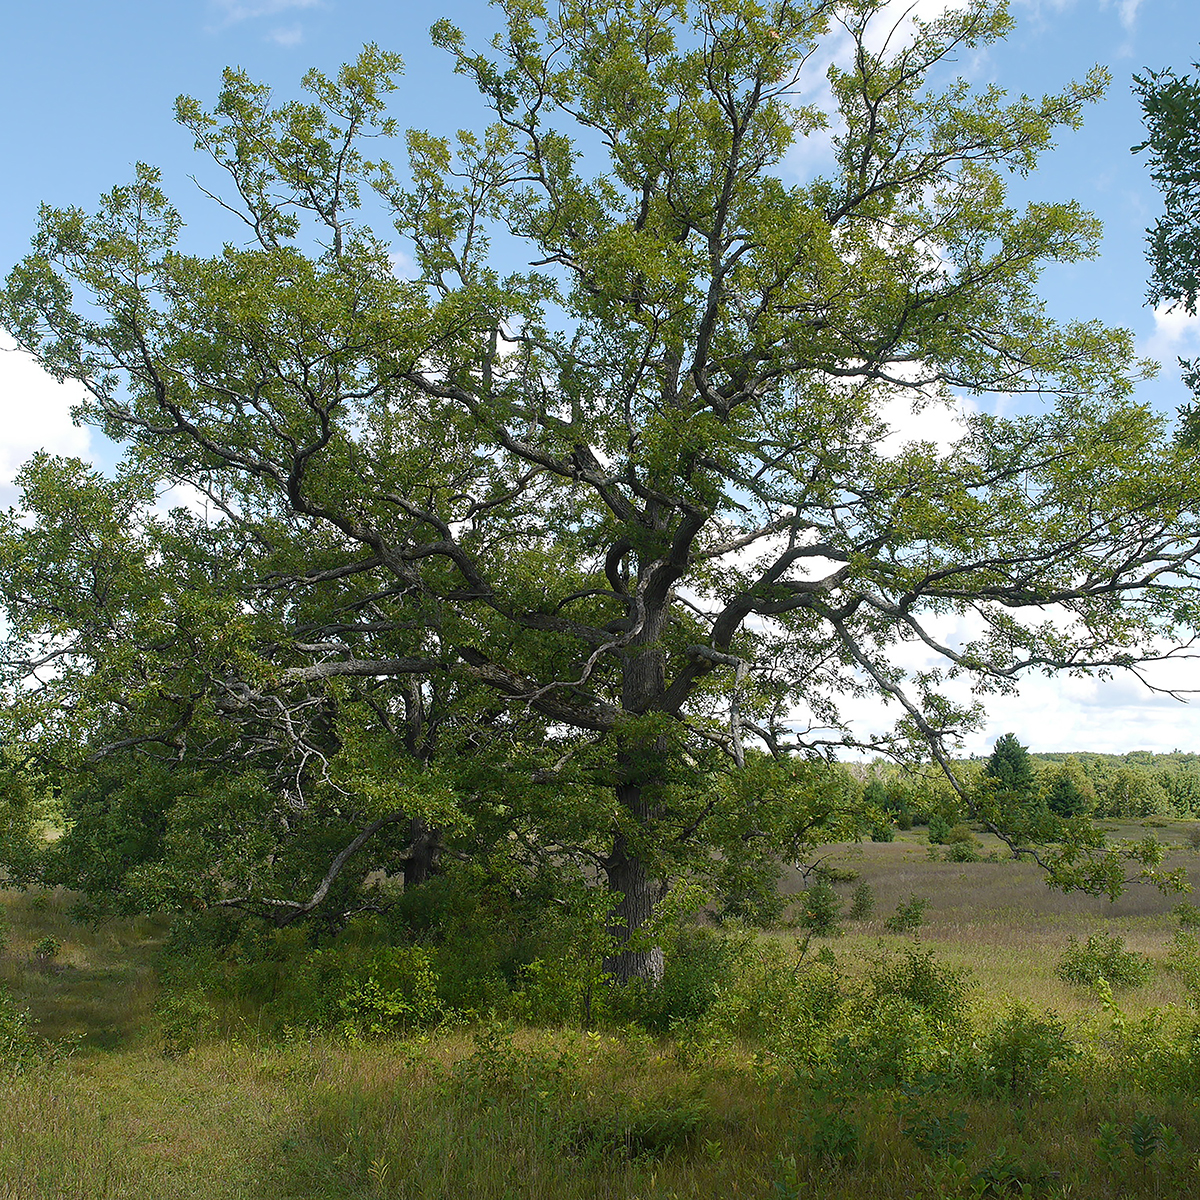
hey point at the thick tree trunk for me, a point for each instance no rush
(627, 874)
(625, 867)
(424, 856)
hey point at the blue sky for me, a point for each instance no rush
(88, 90)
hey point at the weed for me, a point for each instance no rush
(20, 1048)
(942, 1135)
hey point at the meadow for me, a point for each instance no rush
(953, 1061)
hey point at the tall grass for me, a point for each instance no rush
(953, 1063)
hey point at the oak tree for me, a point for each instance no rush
(611, 481)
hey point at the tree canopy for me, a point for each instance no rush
(574, 561)
(1171, 106)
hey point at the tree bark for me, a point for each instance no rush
(423, 860)
(627, 874)
(625, 868)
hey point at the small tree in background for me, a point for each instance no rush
(1070, 794)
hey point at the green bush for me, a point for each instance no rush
(909, 915)
(20, 1048)
(939, 829)
(918, 977)
(862, 904)
(1183, 958)
(47, 948)
(1024, 1053)
(699, 964)
(821, 911)
(392, 990)
(1103, 956)
(963, 852)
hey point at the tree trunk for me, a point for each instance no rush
(423, 860)
(625, 867)
(627, 874)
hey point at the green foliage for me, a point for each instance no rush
(21, 1049)
(1171, 107)
(1024, 1054)
(963, 852)
(1070, 794)
(700, 964)
(917, 976)
(909, 915)
(47, 948)
(939, 829)
(821, 907)
(515, 568)
(1011, 767)
(830, 1137)
(1183, 958)
(862, 903)
(1103, 957)
(942, 1134)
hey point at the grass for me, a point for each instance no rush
(499, 1113)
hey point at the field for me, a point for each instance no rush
(721, 1107)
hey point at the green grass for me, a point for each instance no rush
(490, 1114)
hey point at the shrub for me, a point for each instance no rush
(961, 834)
(883, 832)
(700, 963)
(393, 991)
(939, 829)
(1023, 1055)
(1103, 956)
(963, 852)
(862, 905)
(20, 1048)
(909, 915)
(47, 948)
(1183, 958)
(822, 908)
(1188, 915)
(917, 976)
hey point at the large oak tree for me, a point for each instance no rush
(609, 481)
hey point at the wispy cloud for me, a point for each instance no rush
(234, 12)
(293, 35)
(240, 10)
(1127, 10)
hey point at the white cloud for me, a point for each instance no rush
(287, 38)
(403, 265)
(1127, 11)
(1054, 713)
(234, 11)
(35, 414)
(1176, 335)
(1175, 330)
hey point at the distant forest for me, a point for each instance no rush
(1083, 783)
